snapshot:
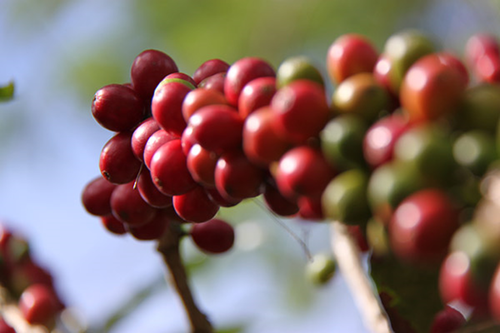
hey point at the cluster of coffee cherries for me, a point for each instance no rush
(26, 283)
(397, 151)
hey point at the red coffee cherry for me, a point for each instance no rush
(214, 82)
(155, 141)
(96, 195)
(39, 305)
(113, 225)
(198, 98)
(150, 193)
(256, 94)
(201, 165)
(243, 71)
(276, 202)
(195, 205)
(447, 320)
(151, 230)
(129, 207)
(141, 135)
(166, 106)
(117, 107)
(209, 68)
(214, 236)
(148, 69)
(117, 162)
(5, 327)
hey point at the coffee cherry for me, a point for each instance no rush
(361, 94)
(187, 140)
(479, 45)
(150, 193)
(201, 165)
(256, 94)
(342, 141)
(179, 77)
(5, 327)
(148, 69)
(141, 135)
(276, 202)
(151, 230)
(195, 205)
(166, 106)
(39, 305)
(379, 141)
(128, 206)
(117, 107)
(431, 89)
(303, 171)
(155, 141)
(113, 225)
(310, 208)
(243, 71)
(117, 161)
(300, 110)
(169, 169)
(422, 226)
(217, 127)
(198, 98)
(214, 236)
(348, 55)
(96, 195)
(344, 198)
(447, 320)
(236, 177)
(480, 108)
(261, 144)
(296, 68)
(209, 68)
(216, 197)
(321, 268)
(214, 82)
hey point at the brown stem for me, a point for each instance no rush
(348, 257)
(168, 246)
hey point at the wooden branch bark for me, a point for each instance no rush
(349, 261)
(168, 247)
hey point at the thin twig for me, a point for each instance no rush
(168, 247)
(349, 261)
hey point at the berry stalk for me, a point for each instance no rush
(168, 247)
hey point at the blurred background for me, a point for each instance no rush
(59, 52)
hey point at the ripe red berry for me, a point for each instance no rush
(447, 320)
(199, 98)
(96, 195)
(169, 169)
(256, 94)
(479, 45)
(117, 107)
(39, 305)
(128, 206)
(348, 55)
(209, 68)
(151, 230)
(113, 225)
(117, 161)
(201, 165)
(195, 205)
(422, 225)
(215, 82)
(300, 110)
(277, 203)
(214, 236)
(155, 141)
(148, 69)
(150, 193)
(166, 106)
(141, 135)
(243, 71)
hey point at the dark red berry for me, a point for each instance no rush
(256, 94)
(214, 236)
(113, 225)
(96, 195)
(209, 68)
(141, 135)
(166, 106)
(447, 320)
(39, 305)
(150, 193)
(155, 141)
(128, 206)
(195, 205)
(117, 162)
(152, 230)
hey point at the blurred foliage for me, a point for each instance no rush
(7, 92)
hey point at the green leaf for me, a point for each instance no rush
(236, 329)
(7, 92)
(409, 294)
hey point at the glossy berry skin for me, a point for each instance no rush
(431, 89)
(117, 161)
(487, 68)
(39, 305)
(141, 135)
(166, 107)
(96, 195)
(148, 69)
(310, 208)
(199, 98)
(169, 169)
(300, 110)
(180, 76)
(303, 171)
(155, 141)
(456, 283)
(117, 107)
(214, 236)
(447, 320)
(195, 206)
(217, 127)
(201, 165)
(216, 197)
(379, 140)
(113, 225)
(256, 94)
(261, 144)
(479, 45)
(152, 230)
(236, 177)
(128, 206)
(150, 193)
(422, 226)
(243, 71)
(276, 202)
(209, 68)
(348, 55)
(215, 82)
